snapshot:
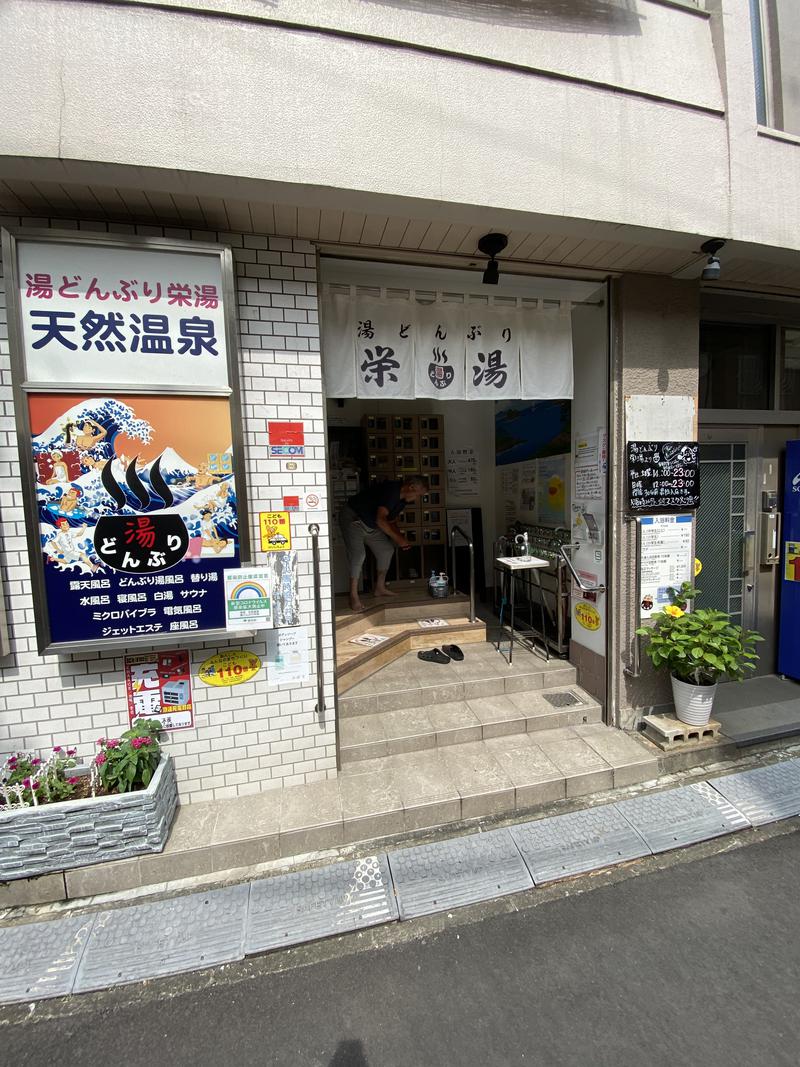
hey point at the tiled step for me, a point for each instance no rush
(410, 682)
(435, 725)
(380, 798)
(354, 663)
(497, 776)
(407, 608)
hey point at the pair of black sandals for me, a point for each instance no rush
(442, 655)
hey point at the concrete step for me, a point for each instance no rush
(389, 733)
(371, 799)
(404, 608)
(355, 663)
(410, 682)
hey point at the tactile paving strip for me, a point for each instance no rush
(764, 794)
(164, 937)
(580, 841)
(289, 909)
(682, 816)
(40, 960)
(450, 874)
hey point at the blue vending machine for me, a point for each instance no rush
(789, 633)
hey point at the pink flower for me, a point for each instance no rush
(72, 752)
(101, 741)
(35, 762)
(73, 781)
(112, 744)
(137, 742)
(57, 748)
(26, 782)
(12, 761)
(100, 760)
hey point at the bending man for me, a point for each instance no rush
(370, 518)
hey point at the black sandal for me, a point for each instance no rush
(434, 655)
(454, 652)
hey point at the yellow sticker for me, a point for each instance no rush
(587, 615)
(792, 561)
(231, 667)
(698, 566)
(276, 531)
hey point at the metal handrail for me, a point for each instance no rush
(320, 708)
(453, 531)
(575, 576)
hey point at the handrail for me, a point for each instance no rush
(320, 708)
(584, 588)
(457, 530)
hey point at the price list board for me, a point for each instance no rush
(663, 476)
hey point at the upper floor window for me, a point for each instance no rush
(776, 49)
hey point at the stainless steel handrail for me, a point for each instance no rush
(320, 708)
(453, 531)
(584, 588)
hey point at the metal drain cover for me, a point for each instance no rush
(764, 794)
(562, 700)
(289, 909)
(679, 817)
(581, 841)
(450, 874)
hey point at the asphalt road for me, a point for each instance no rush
(698, 963)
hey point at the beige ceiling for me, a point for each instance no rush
(400, 235)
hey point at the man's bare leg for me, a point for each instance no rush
(380, 585)
(355, 599)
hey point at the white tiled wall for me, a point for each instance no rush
(248, 737)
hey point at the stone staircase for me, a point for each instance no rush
(442, 742)
(396, 621)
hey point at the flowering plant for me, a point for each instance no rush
(128, 763)
(698, 647)
(29, 780)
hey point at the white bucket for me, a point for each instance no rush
(693, 703)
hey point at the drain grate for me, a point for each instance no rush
(562, 700)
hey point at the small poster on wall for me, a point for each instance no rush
(248, 599)
(159, 686)
(287, 656)
(667, 559)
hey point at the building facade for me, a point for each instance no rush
(608, 141)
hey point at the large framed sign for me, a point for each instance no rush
(124, 361)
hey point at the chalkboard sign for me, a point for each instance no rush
(663, 476)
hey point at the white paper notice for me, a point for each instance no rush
(248, 599)
(287, 655)
(463, 475)
(667, 559)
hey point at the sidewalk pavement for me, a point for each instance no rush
(84, 949)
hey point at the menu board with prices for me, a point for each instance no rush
(662, 476)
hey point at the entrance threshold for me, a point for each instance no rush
(760, 709)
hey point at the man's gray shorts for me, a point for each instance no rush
(357, 535)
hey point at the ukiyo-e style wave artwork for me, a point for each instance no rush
(137, 509)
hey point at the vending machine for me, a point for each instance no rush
(789, 632)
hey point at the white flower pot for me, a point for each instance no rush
(693, 703)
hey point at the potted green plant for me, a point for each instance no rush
(697, 648)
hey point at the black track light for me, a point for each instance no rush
(492, 244)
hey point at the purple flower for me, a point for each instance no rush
(57, 748)
(35, 762)
(12, 761)
(72, 752)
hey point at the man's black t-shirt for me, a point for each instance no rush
(379, 495)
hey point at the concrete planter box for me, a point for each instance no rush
(76, 833)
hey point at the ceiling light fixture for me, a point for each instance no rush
(492, 244)
(713, 268)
